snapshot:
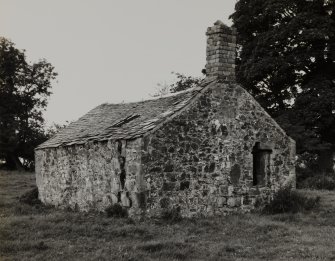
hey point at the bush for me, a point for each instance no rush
(303, 174)
(30, 197)
(326, 181)
(116, 210)
(288, 200)
(309, 175)
(171, 215)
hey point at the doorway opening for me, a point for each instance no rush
(261, 164)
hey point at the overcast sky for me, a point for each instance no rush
(111, 50)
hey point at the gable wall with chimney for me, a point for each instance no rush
(201, 162)
(222, 154)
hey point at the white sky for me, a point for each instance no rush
(111, 50)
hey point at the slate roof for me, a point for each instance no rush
(122, 121)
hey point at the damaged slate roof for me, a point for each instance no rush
(122, 121)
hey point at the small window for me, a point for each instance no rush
(261, 164)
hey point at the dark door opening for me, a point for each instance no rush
(261, 164)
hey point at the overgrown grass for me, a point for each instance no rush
(287, 200)
(34, 232)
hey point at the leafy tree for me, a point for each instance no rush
(183, 83)
(287, 61)
(55, 128)
(24, 89)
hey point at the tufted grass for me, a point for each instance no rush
(40, 233)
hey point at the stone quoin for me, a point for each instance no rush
(209, 150)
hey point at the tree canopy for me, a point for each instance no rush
(287, 61)
(182, 83)
(24, 90)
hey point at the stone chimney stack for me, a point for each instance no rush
(221, 48)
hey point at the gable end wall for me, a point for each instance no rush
(201, 159)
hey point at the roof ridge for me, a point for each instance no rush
(117, 121)
(202, 84)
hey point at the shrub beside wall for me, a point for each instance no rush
(287, 200)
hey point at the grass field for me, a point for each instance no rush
(31, 233)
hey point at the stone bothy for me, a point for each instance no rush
(208, 150)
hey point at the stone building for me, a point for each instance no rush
(209, 150)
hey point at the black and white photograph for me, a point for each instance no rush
(162, 130)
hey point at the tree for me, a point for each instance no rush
(24, 89)
(55, 128)
(287, 61)
(183, 83)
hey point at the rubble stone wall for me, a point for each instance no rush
(201, 161)
(91, 176)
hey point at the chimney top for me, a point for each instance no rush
(221, 48)
(220, 27)
(219, 22)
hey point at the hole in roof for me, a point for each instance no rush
(125, 120)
